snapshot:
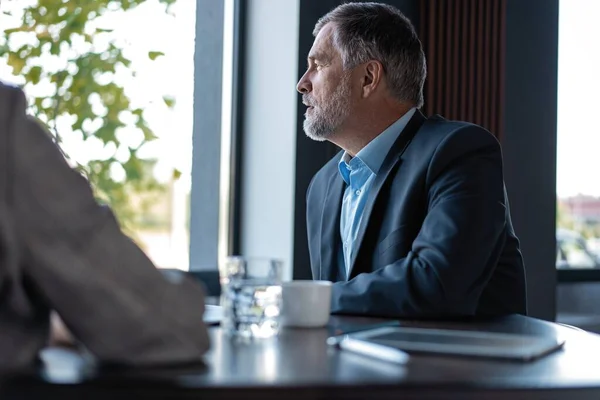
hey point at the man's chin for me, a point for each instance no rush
(314, 134)
(316, 138)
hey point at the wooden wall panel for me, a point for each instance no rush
(464, 44)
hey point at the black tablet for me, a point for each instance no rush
(391, 342)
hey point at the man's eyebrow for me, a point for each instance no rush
(317, 56)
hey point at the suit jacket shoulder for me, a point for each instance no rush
(436, 133)
(439, 132)
(442, 142)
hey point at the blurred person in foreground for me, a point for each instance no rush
(61, 251)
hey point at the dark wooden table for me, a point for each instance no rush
(299, 364)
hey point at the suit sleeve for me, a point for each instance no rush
(102, 285)
(459, 243)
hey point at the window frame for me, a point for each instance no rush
(215, 204)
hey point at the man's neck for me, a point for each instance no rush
(354, 138)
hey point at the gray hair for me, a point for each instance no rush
(374, 31)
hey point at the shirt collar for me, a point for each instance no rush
(374, 153)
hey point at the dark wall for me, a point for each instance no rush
(529, 141)
(310, 155)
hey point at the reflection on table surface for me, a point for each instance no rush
(301, 358)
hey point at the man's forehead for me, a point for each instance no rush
(322, 46)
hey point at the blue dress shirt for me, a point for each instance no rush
(359, 173)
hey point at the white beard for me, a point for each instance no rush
(325, 119)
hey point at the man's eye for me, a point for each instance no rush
(319, 66)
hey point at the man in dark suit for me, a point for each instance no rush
(62, 251)
(411, 219)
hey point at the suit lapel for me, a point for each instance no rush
(330, 223)
(392, 160)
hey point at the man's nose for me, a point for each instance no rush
(304, 86)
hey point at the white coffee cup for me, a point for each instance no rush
(306, 304)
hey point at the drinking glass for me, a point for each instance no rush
(251, 296)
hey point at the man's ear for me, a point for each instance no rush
(372, 77)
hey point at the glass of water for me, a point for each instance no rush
(251, 296)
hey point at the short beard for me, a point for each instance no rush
(329, 116)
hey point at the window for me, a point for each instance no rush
(578, 161)
(129, 75)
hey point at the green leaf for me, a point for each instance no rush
(43, 35)
(17, 63)
(18, 29)
(168, 3)
(34, 75)
(102, 30)
(176, 174)
(148, 134)
(153, 55)
(107, 133)
(169, 101)
(55, 48)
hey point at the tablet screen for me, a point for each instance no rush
(468, 343)
(445, 339)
